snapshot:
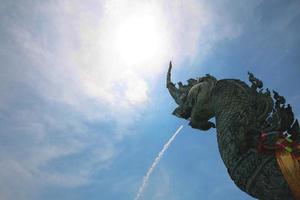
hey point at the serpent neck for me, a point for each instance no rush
(231, 109)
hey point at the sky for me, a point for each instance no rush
(83, 107)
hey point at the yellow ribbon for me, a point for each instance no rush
(290, 169)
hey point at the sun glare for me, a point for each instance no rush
(138, 39)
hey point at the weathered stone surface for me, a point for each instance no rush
(242, 112)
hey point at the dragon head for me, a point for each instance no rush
(193, 100)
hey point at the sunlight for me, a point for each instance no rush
(138, 39)
(128, 47)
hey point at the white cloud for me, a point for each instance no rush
(87, 57)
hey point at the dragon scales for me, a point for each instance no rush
(241, 114)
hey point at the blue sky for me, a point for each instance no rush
(84, 109)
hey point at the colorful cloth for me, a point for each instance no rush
(290, 169)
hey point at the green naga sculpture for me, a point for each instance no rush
(254, 130)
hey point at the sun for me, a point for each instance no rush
(138, 39)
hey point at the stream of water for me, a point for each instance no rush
(154, 164)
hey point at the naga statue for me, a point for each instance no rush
(258, 136)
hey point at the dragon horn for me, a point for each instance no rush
(169, 75)
(174, 92)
